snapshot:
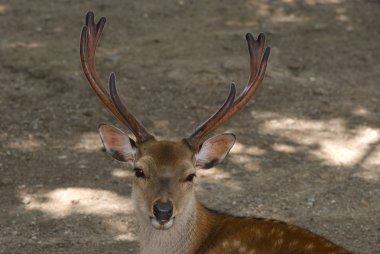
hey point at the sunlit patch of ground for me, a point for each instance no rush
(62, 202)
(26, 45)
(330, 141)
(88, 142)
(3, 8)
(28, 144)
(247, 156)
(122, 172)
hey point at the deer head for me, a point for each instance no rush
(163, 188)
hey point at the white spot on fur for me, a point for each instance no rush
(279, 242)
(272, 231)
(236, 243)
(242, 249)
(258, 233)
(293, 243)
(310, 246)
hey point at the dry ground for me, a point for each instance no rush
(308, 148)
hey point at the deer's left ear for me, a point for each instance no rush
(214, 150)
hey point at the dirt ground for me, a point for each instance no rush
(308, 149)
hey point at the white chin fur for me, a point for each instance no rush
(157, 224)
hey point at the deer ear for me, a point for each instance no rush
(117, 143)
(214, 150)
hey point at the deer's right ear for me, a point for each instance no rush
(117, 143)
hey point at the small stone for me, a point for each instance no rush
(26, 201)
(74, 201)
(310, 201)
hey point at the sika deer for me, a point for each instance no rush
(171, 218)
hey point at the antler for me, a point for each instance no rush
(258, 64)
(90, 36)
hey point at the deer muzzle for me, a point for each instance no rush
(163, 212)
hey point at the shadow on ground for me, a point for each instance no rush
(308, 146)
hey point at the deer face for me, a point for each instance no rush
(164, 171)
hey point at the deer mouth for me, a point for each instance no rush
(162, 224)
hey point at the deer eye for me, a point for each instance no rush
(190, 178)
(139, 172)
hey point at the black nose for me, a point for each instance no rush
(163, 211)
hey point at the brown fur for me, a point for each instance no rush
(209, 232)
(228, 234)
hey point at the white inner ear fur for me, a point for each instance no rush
(214, 150)
(117, 143)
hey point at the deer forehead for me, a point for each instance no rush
(165, 156)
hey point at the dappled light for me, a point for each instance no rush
(330, 141)
(284, 148)
(208, 179)
(315, 2)
(308, 142)
(26, 45)
(247, 156)
(122, 230)
(275, 15)
(240, 148)
(88, 142)
(3, 8)
(63, 202)
(214, 173)
(28, 144)
(126, 237)
(122, 172)
(282, 17)
(361, 111)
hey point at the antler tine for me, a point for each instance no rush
(90, 36)
(258, 64)
(208, 124)
(255, 49)
(133, 125)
